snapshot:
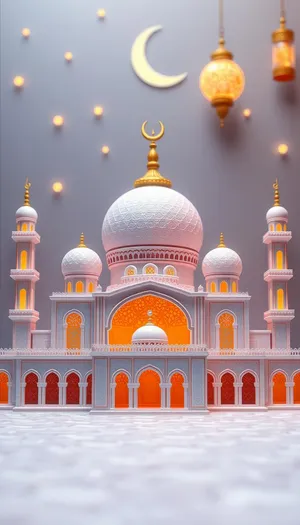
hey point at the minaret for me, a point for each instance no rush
(24, 316)
(278, 316)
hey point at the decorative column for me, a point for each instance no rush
(112, 395)
(82, 389)
(135, 387)
(290, 392)
(9, 387)
(62, 393)
(41, 392)
(261, 400)
(131, 394)
(217, 393)
(21, 399)
(164, 387)
(237, 393)
(256, 386)
(19, 385)
(168, 391)
(185, 386)
(278, 316)
(24, 316)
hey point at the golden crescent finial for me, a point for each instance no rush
(81, 244)
(27, 187)
(153, 137)
(276, 193)
(221, 243)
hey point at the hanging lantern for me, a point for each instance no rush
(222, 81)
(283, 51)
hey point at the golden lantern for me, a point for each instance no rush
(222, 81)
(283, 51)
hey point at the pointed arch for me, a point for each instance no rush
(121, 380)
(72, 388)
(280, 299)
(234, 287)
(177, 389)
(4, 388)
(279, 260)
(79, 288)
(210, 388)
(278, 227)
(89, 388)
(91, 287)
(31, 392)
(296, 380)
(52, 388)
(224, 287)
(23, 299)
(226, 322)
(74, 329)
(213, 287)
(149, 392)
(23, 260)
(227, 388)
(278, 381)
(69, 287)
(248, 379)
(24, 227)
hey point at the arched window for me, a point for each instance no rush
(149, 392)
(22, 299)
(89, 389)
(279, 260)
(72, 390)
(177, 391)
(224, 287)
(31, 389)
(279, 389)
(169, 270)
(150, 269)
(130, 270)
(284, 227)
(226, 333)
(69, 287)
(213, 287)
(24, 227)
(52, 390)
(121, 391)
(210, 389)
(79, 287)
(73, 339)
(278, 227)
(31, 227)
(271, 227)
(248, 389)
(297, 388)
(23, 260)
(18, 227)
(233, 287)
(280, 299)
(227, 389)
(4, 388)
(91, 287)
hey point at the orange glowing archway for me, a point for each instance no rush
(177, 390)
(133, 314)
(297, 388)
(279, 389)
(149, 392)
(3, 388)
(121, 391)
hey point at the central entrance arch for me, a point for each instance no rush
(133, 314)
(149, 392)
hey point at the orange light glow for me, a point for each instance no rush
(121, 391)
(3, 388)
(177, 391)
(57, 187)
(101, 13)
(79, 287)
(297, 389)
(58, 121)
(23, 260)
(98, 111)
(247, 113)
(26, 32)
(224, 287)
(279, 389)
(279, 260)
(226, 321)
(19, 81)
(68, 56)
(280, 299)
(73, 339)
(283, 149)
(22, 299)
(133, 314)
(105, 150)
(149, 393)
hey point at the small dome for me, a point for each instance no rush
(222, 261)
(26, 213)
(149, 333)
(277, 213)
(81, 261)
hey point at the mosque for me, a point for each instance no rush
(151, 340)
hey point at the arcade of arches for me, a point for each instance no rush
(133, 315)
(52, 396)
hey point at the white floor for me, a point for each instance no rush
(69, 469)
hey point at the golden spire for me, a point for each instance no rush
(153, 177)
(81, 244)
(221, 243)
(276, 193)
(27, 186)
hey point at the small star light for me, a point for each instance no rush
(283, 149)
(58, 121)
(19, 82)
(26, 32)
(98, 111)
(68, 56)
(57, 187)
(101, 13)
(247, 113)
(105, 150)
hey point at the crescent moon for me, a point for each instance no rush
(142, 67)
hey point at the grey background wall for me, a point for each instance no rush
(227, 173)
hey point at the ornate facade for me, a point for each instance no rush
(151, 340)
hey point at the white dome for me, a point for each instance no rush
(277, 213)
(26, 212)
(152, 215)
(81, 261)
(222, 261)
(150, 334)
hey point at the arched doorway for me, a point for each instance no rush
(297, 388)
(73, 331)
(52, 390)
(248, 389)
(121, 391)
(279, 389)
(177, 391)
(210, 389)
(226, 331)
(149, 392)
(4, 379)
(133, 314)
(227, 389)
(31, 396)
(72, 390)
(89, 389)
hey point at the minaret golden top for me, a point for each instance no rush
(276, 193)
(221, 243)
(81, 244)
(27, 186)
(153, 177)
